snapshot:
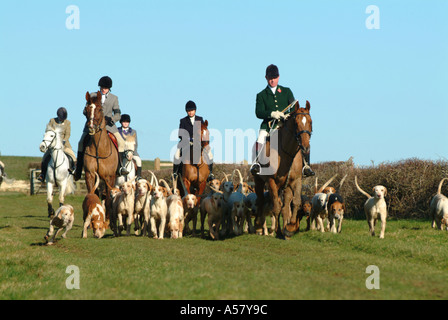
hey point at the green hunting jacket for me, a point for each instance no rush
(268, 102)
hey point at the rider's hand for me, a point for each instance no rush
(277, 115)
(109, 121)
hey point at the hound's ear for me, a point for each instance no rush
(308, 106)
(88, 99)
(385, 191)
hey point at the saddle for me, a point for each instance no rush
(114, 139)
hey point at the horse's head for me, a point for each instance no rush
(129, 147)
(94, 113)
(303, 125)
(51, 139)
(205, 134)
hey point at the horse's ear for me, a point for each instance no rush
(88, 99)
(297, 106)
(308, 106)
(206, 123)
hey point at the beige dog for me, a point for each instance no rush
(125, 206)
(439, 209)
(375, 207)
(212, 206)
(158, 211)
(175, 216)
(63, 218)
(141, 204)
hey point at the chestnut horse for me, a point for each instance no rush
(195, 170)
(285, 179)
(101, 156)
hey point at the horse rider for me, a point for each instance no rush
(60, 121)
(191, 123)
(126, 131)
(112, 114)
(270, 104)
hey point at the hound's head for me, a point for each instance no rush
(142, 187)
(127, 187)
(329, 190)
(379, 192)
(337, 209)
(227, 187)
(189, 201)
(216, 200)
(306, 207)
(98, 222)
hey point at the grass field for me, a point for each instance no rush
(412, 260)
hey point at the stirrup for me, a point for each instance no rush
(255, 168)
(41, 178)
(123, 171)
(307, 171)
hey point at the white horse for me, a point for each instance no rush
(2, 172)
(128, 163)
(57, 173)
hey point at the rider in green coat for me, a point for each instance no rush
(269, 106)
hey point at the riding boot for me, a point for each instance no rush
(79, 165)
(176, 168)
(72, 166)
(256, 167)
(210, 176)
(307, 171)
(121, 171)
(44, 167)
(139, 173)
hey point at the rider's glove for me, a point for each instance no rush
(277, 115)
(109, 121)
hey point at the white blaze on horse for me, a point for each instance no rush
(57, 173)
(128, 162)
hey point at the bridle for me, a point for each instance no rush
(96, 123)
(48, 144)
(297, 135)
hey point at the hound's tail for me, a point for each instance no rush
(439, 191)
(326, 183)
(360, 190)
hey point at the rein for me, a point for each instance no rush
(97, 157)
(50, 148)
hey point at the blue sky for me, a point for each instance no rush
(376, 94)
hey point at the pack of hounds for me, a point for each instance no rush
(157, 210)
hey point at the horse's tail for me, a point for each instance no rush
(71, 187)
(439, 190)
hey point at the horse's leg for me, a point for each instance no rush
(260, 219)
(110, 214)
(50, 199)
(296, 200)
(276, 203)
(288, 227)
(63, 187)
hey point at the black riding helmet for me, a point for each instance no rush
(190, 106)
(62, 114)
(272, 72)
(125, 118)
(105, 82)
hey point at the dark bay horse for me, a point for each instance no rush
(101, 156)
(284, 177)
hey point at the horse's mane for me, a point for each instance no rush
(130, 143)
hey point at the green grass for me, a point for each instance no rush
(413, 262)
